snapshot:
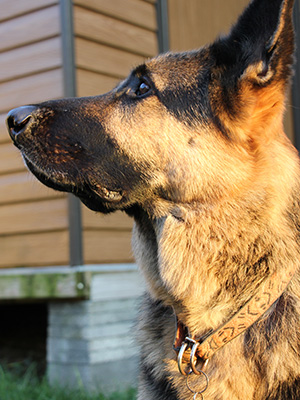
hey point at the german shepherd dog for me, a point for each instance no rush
(191, 145)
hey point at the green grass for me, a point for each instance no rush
(13, 386)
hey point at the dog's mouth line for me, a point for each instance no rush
(110, 195)
(61, 181)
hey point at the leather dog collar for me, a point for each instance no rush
(197, 352)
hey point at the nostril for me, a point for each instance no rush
(17, 126)
(19, 118)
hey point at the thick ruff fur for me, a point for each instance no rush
(192, 146)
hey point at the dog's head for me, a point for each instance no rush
(181, 128)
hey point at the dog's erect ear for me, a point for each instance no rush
(253, 64)
(262, 41)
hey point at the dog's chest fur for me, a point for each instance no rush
(204, 288)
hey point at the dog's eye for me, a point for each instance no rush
(142, 89)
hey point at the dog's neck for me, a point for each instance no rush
(214, 280)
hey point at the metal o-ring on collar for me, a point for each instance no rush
(179, 359)
(200, 392)
(193, 360)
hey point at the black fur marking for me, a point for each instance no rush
(251, 41)
(265, 334)
(158, 313)
(186, 104)
(141, 70)
(189, 104)
(220, 127)
(154, 322)
(248, 41)
(286, 390)
(161, 389)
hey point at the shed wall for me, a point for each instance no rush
(110, 39)
(33, 218)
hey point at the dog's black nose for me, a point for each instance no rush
(19, 119)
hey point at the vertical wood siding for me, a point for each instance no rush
(111, 38)
(33, 219)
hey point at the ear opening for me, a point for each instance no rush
(259, 73)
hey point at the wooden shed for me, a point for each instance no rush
(51, 246)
